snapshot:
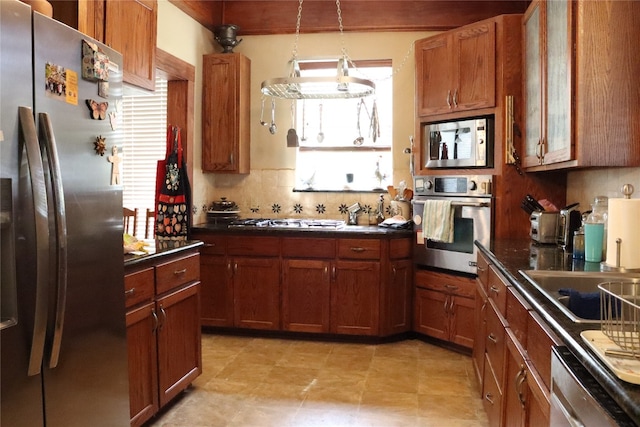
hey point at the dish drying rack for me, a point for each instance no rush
(620, 315)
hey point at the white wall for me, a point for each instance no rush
(272, 164)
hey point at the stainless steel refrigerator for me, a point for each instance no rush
(63, 347)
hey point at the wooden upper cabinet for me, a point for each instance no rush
(580, 68)
(548, 69)
(131, 28)
(455, 71)
(128, 26)
(225, 113)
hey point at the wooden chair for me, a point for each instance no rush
(130, 220)
(150, 221)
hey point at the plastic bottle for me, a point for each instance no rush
(595, 230)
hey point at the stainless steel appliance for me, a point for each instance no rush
(568, 222)
(63, 331)
(470, 198)
(458, 144)
(544, 227)
(576, 397)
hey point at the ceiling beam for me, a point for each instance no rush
(257, 17)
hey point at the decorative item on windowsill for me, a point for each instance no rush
(293, 86)
(225, 35)
(380, 176)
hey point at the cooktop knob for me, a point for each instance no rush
(472, 186)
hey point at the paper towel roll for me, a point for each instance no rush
(624, 223)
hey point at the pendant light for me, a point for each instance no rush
(342, 85)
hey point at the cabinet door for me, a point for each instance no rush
(532, 75)
(179, 353)
(430, 317)
(461, 320)
(397, 302)
(474, 67)
(143, 363)
(216, 294)
(130, 28)
(256, 293)
(558, 81)
(306, 297)
(515, 388)
(480, 330)
(434, 75)
(355, 298)
(225, 113)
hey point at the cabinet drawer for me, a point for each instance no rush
(491, 395)
(495, 341)
(253, 246)
(497, 290)
(177, 272)
(400, 248)
(359, 248)
(213, 245)
(441, 282)
(138, 287)
(483, 269)
(296, 247)
(517, 309)
(539, 343)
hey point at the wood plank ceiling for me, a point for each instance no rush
(256, 17)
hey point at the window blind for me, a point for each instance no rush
(144, 128)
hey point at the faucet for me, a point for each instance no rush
(353, 213)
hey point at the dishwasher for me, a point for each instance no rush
(577, 399)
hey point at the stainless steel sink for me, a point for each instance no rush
(550, 282)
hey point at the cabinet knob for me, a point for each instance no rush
(130, 291)
(492, 338)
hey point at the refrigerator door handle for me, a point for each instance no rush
(49, 142)
(29, 138)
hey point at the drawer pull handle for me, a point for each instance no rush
(358, 249)
(179, 272)
(155, 321)
(451, 287)
(164, 316)
(492, 338)
(489, 398)
(481, 269)
(520, 379)
(494, 289)
(209, 245)
(130, 291)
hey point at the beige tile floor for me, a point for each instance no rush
(267, 382)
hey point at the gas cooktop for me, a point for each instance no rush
(287, 223)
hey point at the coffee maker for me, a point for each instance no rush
(568, 222)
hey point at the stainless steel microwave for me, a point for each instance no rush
(458, 144)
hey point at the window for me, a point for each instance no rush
(338, 150)
(145, 134)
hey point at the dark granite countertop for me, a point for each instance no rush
(153, 252)
(509, 256)
(358, 231)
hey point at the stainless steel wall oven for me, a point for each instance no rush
(471, 202)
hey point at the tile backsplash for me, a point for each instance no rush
(584, 185)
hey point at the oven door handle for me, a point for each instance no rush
(463, 204)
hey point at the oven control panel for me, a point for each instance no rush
(454, 185)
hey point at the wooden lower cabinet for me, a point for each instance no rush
(143, 363)
(163, 331)
(526, 401)
(256, 293)
(179, 345)
(355, 298)
(306, 295)
(477, 355)
(328, 285)
(445, 307)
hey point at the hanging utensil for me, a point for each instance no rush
(320, 136)
(262, 122)
(304, 120)
(374, 129)
(359, 140)
(273, 128)
(292, 136)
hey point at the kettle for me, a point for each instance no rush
(568, 222)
